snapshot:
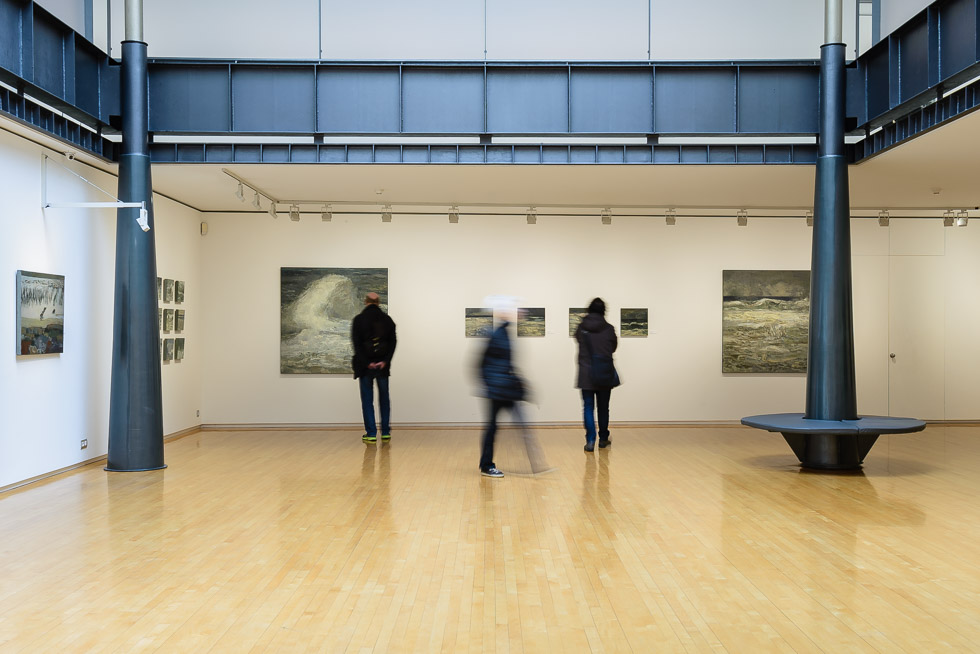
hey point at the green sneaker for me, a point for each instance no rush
(369, 439)
(386, 437)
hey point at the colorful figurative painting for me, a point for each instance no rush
(316, 306)
(178, 349)
(575, 316)
(530, 322)
(179, 320)
(168, 349)
(178, 292)
(634, 323)
(479, 322)
(168, 320)
(168, 291)
(765, 320)
(40, 313)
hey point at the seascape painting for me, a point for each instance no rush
(575, 316)
(160, 318)
(168, 320)
(479, 322)
(168, 349)
(765, 320)
(530, 322)
(634, 323)
(159, 289)
(316, 308)
(178, 349)
(40, 313)
(168, 291)
(179, 320)
(178, 292)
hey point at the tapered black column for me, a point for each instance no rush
(136, 405)
(830, 385)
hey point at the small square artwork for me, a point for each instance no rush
(178, 292)
(179, 320)
(479, 322)
(168, 291)
(575, 316)
(530, 322)
(168, 349)
(159, 288)
(178, 349)
(634, 323)
(168, 320)
(40, 313)
(160, 318)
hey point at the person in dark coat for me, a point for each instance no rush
(503, 389)
(372, 335)
(595, 337)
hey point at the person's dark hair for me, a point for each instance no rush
(597, 306)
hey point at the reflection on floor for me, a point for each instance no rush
(673, 539)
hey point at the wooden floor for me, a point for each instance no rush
(672, 540)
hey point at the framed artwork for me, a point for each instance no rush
(168, 349)
(575, 316)
(634, 323)
(168, 320)
(159, 288)
(178, 292)
(168, 291)
(40, 313)
(178, 349)
(160, 318)
(316, 307)
(179, 320)
(765, 320)
(478, 322)
(530, 322)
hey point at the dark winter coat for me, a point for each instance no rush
(603, 340)
(499, 379)
(372, 333)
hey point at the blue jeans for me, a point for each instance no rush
(367, 403)
(589, 401)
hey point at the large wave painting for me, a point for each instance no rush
(316, 309)
(765, 320)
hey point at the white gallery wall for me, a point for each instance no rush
(49, 403)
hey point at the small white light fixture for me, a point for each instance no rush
(670, 216)
(606, 215)
(454, 214)
(386, 214)
(883, 218)
(962, 219)
(532, 216)
(326, 213)
(743, 217)
(255, 201)
(948, 218)
(294, 213)
(809, 219)
(204, 229)
(272, 209)
(240, 193)
(144, 219)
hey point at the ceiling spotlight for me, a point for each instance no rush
(326, 213)
(743, 217)
(606, 215)
(809, 219)
(240, 193)
(532, 216)
(454, 214)
(255, 201)
(962, 219)
(272, 208)
(386, 214)
(294, 213)
(948, 217)
(671, 216)
(883, 218)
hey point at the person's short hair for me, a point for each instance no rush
(372, 298)
(597, 306)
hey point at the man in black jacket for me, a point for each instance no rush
(372, 334)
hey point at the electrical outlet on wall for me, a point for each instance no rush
(198, 413)
(84, 443)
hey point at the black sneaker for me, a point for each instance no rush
(590, 446)
(491, 472)
(603, 442)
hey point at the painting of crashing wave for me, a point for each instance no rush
(765, 320)
(40, 313)
(317, 306)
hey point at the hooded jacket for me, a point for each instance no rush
(602, 338)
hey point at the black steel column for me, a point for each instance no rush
(136, 405)
(830, 387)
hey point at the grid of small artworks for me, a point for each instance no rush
(171, 319)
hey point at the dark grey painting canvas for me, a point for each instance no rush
(765, 320)
(316, 308)
(634, 323)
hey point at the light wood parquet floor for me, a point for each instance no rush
(707, 539)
